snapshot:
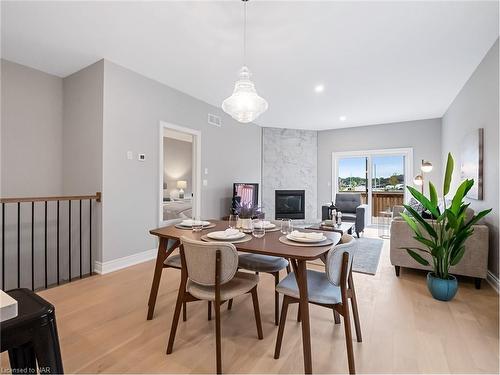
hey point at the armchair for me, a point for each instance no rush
(352, 209)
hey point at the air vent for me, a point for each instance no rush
(214, 120)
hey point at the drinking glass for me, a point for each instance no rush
(197, 225)
(233, 221)
(258, 229)
(286, 226)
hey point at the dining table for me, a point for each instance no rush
(270, 244)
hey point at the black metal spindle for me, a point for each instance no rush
(33, 245)
(80, 238)
(18, 244)
(57, 242)
(45, 238)
(69, 240)
(3, 246)
(90, 236)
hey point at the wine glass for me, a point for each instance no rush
(232, 221)
(258, 229)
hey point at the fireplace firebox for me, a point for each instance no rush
(289, 204)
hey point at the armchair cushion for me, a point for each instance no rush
(347, 202)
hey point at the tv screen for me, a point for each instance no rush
(246, 193)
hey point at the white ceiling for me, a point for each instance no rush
(379, 61)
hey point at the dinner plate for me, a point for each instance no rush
(189, 223)
(304, 239)
(221, 235)
(269, 226)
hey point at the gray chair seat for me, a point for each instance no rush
(319, 288)
(348, 217)
(261, 263)
(241, 283)
(173, 261)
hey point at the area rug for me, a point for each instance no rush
(368, 255)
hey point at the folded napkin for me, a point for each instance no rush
(230, 232)
(187, 222)
(265, 223)
(308, 235)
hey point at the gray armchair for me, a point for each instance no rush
(352, 209)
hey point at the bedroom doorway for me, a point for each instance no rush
(179, 173)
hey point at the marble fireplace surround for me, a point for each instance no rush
(289, 162)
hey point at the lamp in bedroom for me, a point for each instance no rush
(181, 185)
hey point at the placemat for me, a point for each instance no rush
(178, 226)
(327, 242)
(241, 240)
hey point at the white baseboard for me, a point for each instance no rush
(493, 281)
(117, 264)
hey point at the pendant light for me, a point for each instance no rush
(244, 105)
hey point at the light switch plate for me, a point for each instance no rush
(206, 170)
(130, 156)
(205, 182)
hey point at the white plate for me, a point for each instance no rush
(189, 223)
(304, 239)
(221, 235)
(268, 226)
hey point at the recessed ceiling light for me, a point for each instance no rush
(342, 118)
(319, 88)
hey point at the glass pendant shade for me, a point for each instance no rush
(244, 105)
(426, 166)
(418, 180)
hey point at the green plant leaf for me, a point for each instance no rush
(458, 256)
(417, 257)
(477, 217)
(430, 244)
(448, 174)
(422, 222)
(433, 194)
(411, 222)
(462, 190)
(432, 208)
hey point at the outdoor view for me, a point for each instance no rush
(387, 180)
(387, 172)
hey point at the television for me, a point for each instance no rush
(245, 193)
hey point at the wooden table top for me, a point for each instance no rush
(267, 245)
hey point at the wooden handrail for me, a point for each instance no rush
(97, 198)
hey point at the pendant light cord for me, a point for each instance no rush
(244, 32)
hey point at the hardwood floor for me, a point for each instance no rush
(103, 328)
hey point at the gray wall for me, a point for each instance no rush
(133, 108)
(289, 162)
(31, 132)
(476, 106)
(82, 146)
(424, 136)
(177, 164)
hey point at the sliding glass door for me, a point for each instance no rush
(379, 176)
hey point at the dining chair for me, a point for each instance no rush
(266, 264)
(332, 289)
(210, 272)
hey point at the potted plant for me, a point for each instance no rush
(246, 212)
(443, 236)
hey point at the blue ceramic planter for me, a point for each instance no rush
(443, 290)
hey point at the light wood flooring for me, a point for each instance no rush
(103, 328)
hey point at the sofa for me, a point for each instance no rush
(352, 209)
(473, 264)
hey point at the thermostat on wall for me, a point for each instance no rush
(141, 157)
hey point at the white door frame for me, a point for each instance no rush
(196, 168)
(407, 152)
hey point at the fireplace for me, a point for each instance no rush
(289, 204)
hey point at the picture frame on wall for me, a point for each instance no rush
(471, 162)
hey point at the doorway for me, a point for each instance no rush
(179, 174)
(379, 176)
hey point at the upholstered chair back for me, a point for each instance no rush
(333, 264)
(347, 202)
(201, 257)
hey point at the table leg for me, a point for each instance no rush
(165, 248)
(299, 268)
